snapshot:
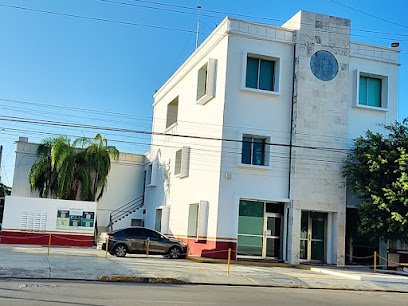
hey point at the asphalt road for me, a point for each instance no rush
(23, 292)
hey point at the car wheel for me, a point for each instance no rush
(120, 250)
(174, 252)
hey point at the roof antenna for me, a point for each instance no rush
(198, 24)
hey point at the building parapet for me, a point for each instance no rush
(260, 31)
(29, 148)
(373, 52)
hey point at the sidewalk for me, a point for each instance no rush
(17, 261)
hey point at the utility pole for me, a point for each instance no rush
(1, 154)
(198, 24)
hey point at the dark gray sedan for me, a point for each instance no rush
(136, 240)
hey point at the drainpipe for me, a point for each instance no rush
(290, 147)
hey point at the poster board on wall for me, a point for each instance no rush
(37, 214)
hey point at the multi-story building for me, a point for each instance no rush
(248, 142)
(250, 134)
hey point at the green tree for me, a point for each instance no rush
(376, 171)
(96, 156)
(42, 177)
(4, 190)
(63, 169)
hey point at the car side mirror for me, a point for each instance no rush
(161, 237)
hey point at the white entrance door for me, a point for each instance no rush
(273, 228)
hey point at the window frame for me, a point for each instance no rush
(384, 90)
(196, 221)
(178, 162)
(170, 121)
(156, 219)
(266, 151)
(276, 72)
(209, 81)
(182, 164)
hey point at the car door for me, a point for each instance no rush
(136, 240)
(157, 244)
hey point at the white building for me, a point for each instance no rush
(250, 133)
(122, 199)
(249, 138)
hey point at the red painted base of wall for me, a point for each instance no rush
(210, 249)
(62, 239)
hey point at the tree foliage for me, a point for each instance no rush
(68, 170)
(4, 190)
(376, 171)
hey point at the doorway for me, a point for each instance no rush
(260, 229)
(313, 236)
(273, 236)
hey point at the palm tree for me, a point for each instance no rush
(62, 169)
(42, 177)
(97, 157)
(4, 190)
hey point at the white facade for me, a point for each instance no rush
(306, 125)
(124, 184)
(249, 138)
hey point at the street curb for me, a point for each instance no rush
(173, 281)
(145, 280)
(397, 279)
(249, 263)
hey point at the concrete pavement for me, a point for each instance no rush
(33, 262)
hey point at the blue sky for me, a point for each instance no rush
(56, 65)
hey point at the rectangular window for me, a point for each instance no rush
(172, 112)
(206, 82)
(177, 167)
(260, 74)
(149, 175)
(202, 82)
(158, 221)
(136, 222)
(192, 229)
(370, 91)
(253, 150)
(182, 162)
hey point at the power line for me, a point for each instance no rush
(369, 14)
(135, 117)
(162, 27)
(205, 149)
(96, 18)
(143, 132)
(191, 12)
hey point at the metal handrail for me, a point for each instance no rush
(125, 210)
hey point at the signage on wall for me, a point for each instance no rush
(75, 218)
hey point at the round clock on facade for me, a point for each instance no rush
(324, 65)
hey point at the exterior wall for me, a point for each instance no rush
(309, 124)
(33, 220)
(255, 113)
(380, 61)
(125, 181)
(25, 158)
(204, 123)
(376, 60)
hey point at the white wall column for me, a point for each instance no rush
(330, 239)
(339, 238)
(285, 232)
(294, 235)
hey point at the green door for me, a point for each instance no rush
(313, 236)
